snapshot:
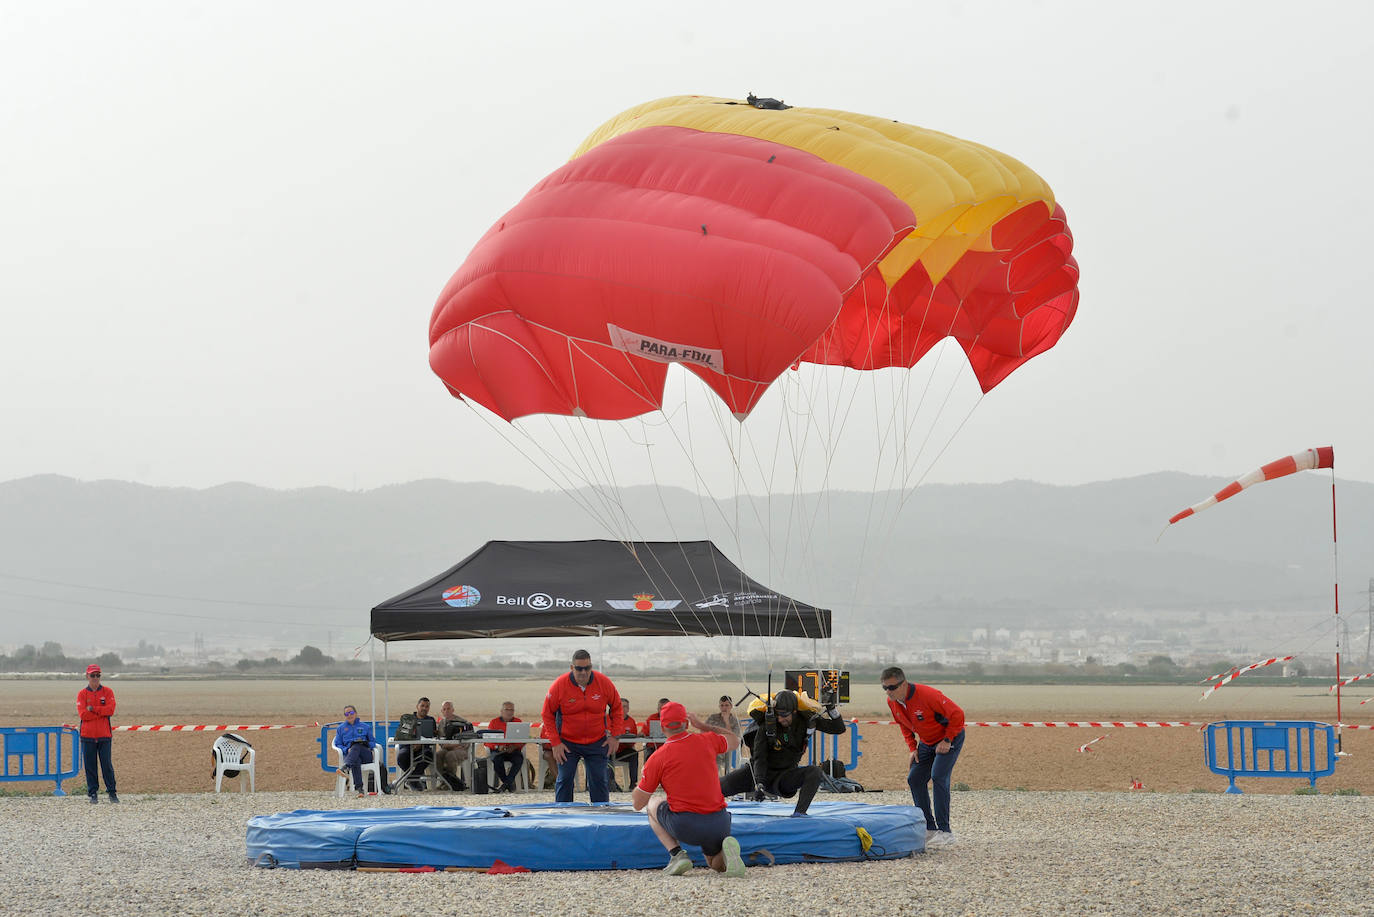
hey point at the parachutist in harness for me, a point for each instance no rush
(782, 725)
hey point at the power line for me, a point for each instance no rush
(165, 614)
(162, 595)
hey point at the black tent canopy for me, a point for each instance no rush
(594, 588)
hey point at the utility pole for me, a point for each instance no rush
(1368, 634)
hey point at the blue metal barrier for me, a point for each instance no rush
(379, 753)
(820, 741)
(38, 753)
(1254, 748)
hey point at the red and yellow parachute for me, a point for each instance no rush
(739, 241)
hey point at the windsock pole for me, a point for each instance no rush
(1336, 596)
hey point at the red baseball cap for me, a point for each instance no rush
(673, 714)
(92, 669)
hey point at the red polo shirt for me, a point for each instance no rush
(685, 766)
(95, 724)
(921, 713)
(500, 724)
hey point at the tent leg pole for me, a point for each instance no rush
(372, 664)
(601, 645)
(386, 696)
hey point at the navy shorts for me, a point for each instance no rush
(702, 830)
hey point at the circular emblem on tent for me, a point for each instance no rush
(462, 596)
(540, 600)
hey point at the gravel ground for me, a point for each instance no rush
(1017, 853)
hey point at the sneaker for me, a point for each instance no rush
(938, 839)
(734, 866)
(93, 799)
(362, 795)
(679, 864)
(114, 798)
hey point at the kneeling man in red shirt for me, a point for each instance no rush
(694, 809)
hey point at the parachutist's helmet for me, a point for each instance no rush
(784, 702)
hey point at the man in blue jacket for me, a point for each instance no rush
(355, 742)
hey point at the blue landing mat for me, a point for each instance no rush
(568, 836)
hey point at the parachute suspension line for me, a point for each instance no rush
(798, 435)
(908, 488)
(732, 640)
(668, 516)
(598, 460)
(737, 431)
(524, 444)
(768, 479)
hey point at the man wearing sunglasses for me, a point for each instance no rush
(933, 726)
(581, 719)
(355, 742)
(95, 704)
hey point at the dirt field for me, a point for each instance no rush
(1165, 760)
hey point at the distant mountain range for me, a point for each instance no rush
(88, 563)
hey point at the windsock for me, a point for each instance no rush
(1321, 457)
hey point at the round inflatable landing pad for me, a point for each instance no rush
(570, 836)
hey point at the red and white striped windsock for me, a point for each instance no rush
(1308, 459)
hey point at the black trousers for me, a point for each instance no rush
(95, 751)
(507, 765)
(802, 782)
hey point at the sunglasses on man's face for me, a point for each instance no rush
(350, 713)
(893, 687)
(582, 668)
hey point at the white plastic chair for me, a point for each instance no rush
(374, 767)
(234, 756)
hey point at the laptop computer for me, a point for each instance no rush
(518, 732)
(656, 729)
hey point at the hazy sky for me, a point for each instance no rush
(223, 227)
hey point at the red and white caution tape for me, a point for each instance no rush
(1218, 675)
(1349, 681)
(1366, 700)
(188, 728)
(1085, 725)
(1249, 668)
(1087, 746)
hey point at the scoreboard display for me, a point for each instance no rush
(826, 686)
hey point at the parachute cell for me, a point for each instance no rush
(739, 241)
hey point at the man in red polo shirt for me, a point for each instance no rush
(506, 757)
(694, 809)
(95, 704)
(933, 726)
(582, 720)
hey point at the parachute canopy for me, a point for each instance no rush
(740, 241)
